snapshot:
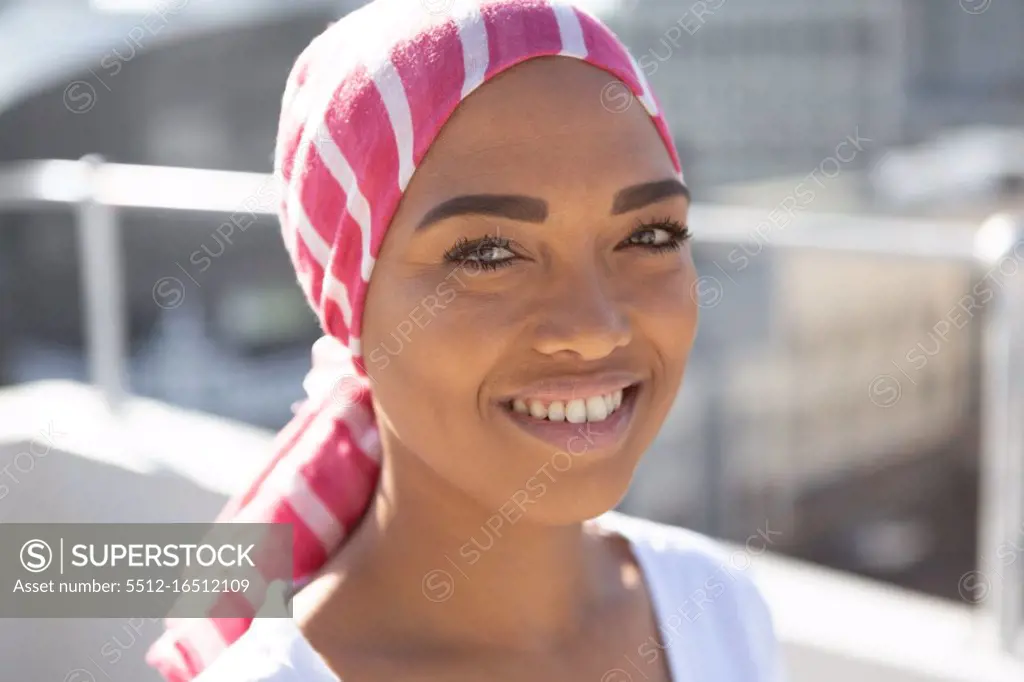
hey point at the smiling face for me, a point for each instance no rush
(530, 316)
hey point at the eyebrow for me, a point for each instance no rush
(533, 210)
(516, 207)
(638, 196)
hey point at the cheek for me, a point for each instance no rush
(432, 341)
(662, 300)
(435, 342)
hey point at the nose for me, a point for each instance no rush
(581, 320)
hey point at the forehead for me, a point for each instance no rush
(548, 124)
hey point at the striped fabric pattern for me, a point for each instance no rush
(362, 105)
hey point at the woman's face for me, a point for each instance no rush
(537, 262)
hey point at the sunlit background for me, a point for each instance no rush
(858, 174)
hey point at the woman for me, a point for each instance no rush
(524, 335)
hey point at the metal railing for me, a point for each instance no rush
(98, 191)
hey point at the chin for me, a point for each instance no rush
(570, 499)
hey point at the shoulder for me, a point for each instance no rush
(271, 650)
(706, 594)
(686, 553)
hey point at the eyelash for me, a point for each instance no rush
(463, 250)
(678, 234)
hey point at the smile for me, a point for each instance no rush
(577, 418)
(595, 408)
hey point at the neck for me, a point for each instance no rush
(458, 574)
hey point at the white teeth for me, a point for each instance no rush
(597, 409)
(576, 411)
(593, 409)
(538, 410)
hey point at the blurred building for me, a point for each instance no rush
(757, 89)
(194, 84)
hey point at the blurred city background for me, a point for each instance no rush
(837, 392)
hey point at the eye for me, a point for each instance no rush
(660, 235)
(488, 253)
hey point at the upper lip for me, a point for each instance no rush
(572, 386)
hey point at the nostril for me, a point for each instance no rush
(587, 341)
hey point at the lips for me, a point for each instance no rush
(555, 409)
(568, 387)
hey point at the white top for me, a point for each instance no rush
(713, 622)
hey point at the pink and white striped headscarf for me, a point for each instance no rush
(363, 103)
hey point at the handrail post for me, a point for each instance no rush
(99, 248)
(1000, 249)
